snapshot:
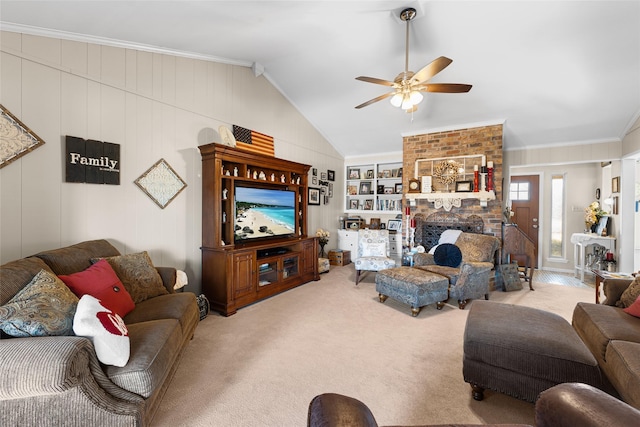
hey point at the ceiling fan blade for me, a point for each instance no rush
(444, 87)
(432, 69)
(376, 81)
(379, 98)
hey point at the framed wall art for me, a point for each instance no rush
(16, 139)
(314, 196)
(161, 183)
(615, 184)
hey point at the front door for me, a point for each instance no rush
(524, 193)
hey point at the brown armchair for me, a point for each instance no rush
(569, 404)
(470, 280)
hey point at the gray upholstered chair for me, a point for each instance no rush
(469, 280)
(373, 252)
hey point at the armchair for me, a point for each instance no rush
(373, 252)
(568, 404)
(470, 280)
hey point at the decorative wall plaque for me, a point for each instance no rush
(93, 162)
(161, 183)
(16, 139)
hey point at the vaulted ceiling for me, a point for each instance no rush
(555, 72)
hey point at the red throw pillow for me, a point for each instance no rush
(101, 282)
(634, 309)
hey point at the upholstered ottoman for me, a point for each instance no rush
(412, 286)
(522, 351)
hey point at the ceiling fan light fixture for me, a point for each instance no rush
(396, 100)
(406, 103)
(407, 86)
(416, 97)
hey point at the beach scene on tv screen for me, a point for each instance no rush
(263, 212)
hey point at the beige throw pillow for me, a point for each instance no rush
(630, 294)
(138, 275)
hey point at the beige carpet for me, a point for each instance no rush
(262, 366)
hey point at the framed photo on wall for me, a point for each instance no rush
(615, 184)
(314, 196)
(331, 175)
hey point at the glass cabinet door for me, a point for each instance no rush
(267, 273)
(290, 267)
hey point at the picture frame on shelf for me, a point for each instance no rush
(370, 174)
(365, 187)
(386, 173)
(615, 184)
(380, 189)
(368, 205)
(313, 196)
(394, 225)
(389, 190)
(331, 175)
(352, 190)
(398, 188)
(353, 204)
(354, 173)
(464, 186)
(602, 224)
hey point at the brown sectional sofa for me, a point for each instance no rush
(58, 380)
(613, 337)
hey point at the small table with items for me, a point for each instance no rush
(602, 276)
(580, 242)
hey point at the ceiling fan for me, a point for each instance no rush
(408, 85)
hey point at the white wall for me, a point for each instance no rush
(155, 106)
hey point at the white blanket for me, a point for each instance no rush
(447, 236)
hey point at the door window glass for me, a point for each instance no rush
(557, 216)
(519, 191)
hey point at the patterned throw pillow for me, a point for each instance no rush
(101, 281)
(374, 249)
(105, 329)
(44, 307)
(630, 294)
(138, 275)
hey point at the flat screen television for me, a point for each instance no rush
(263, 213)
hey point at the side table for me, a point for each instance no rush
(602, 276)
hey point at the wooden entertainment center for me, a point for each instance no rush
(236, 270)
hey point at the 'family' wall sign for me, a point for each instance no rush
(93, 162)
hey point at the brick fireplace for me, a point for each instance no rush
(484, 140)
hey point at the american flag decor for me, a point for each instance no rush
(253, 141)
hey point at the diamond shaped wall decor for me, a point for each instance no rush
(161, 183)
